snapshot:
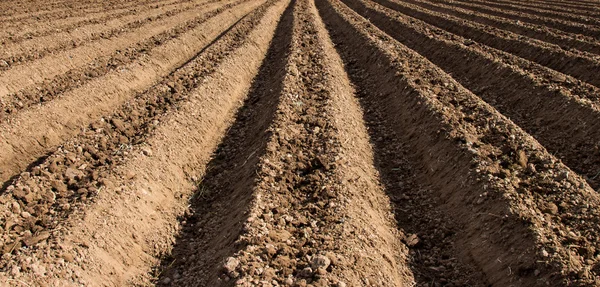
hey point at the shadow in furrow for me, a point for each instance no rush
(430, 233)
(218, 208)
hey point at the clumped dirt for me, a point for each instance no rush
(48, 90)
(300, 143)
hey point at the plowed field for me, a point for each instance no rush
(300, 143)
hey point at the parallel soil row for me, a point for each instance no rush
(557, 110)
(93, 234)
(317, 214)
(300, 143)
(578, 64)
(77, 12)
(34, 132)
(40, 29)
(36, 48)
(539, 11)
(575, 4)
(565, 40)
(72, 75)
(34, 73)
(477, 162)
(569, 27)
(590, 11)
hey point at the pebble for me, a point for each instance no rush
(68, 257)
(551, 208)
(320, 261)
(16, 208)
(231, 264)
(147, 151)
(167, 280)
(341, 284)
(306, 272)
(413, 240)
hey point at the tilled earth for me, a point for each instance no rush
(300, 143)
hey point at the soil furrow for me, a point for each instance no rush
(74, 78)
(569, 27)
(580, 65)
(571, 4)
(218, 207)
(539, 11)
(198, 108)
(42, 70)
(565, 40)
(589, 11)
(560, 112)
(18, 31)
(318, 215)
(15, 54)
(20, 34)
(34, 132)
(477, 162)
(72, 12)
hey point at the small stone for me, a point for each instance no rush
(231, 264)
(522, 158)
(147, 151)
(531, 168)
(320, 261)
(413, 240)
(68, 257)
(32, 240)
(289, 282)
(72, 173)
(50, 196)
(559, 77)
(536, 272)
(59, 186)
(15, 207)
(166, 281)
(563, 175)
(551, 208)
(341, 284)
(119, 124)
(306, 272)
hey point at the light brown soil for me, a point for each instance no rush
(299, 143)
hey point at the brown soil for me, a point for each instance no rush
(577, 64)
(38, 47)
(569, 27)
(299, 143)
(554, 36)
